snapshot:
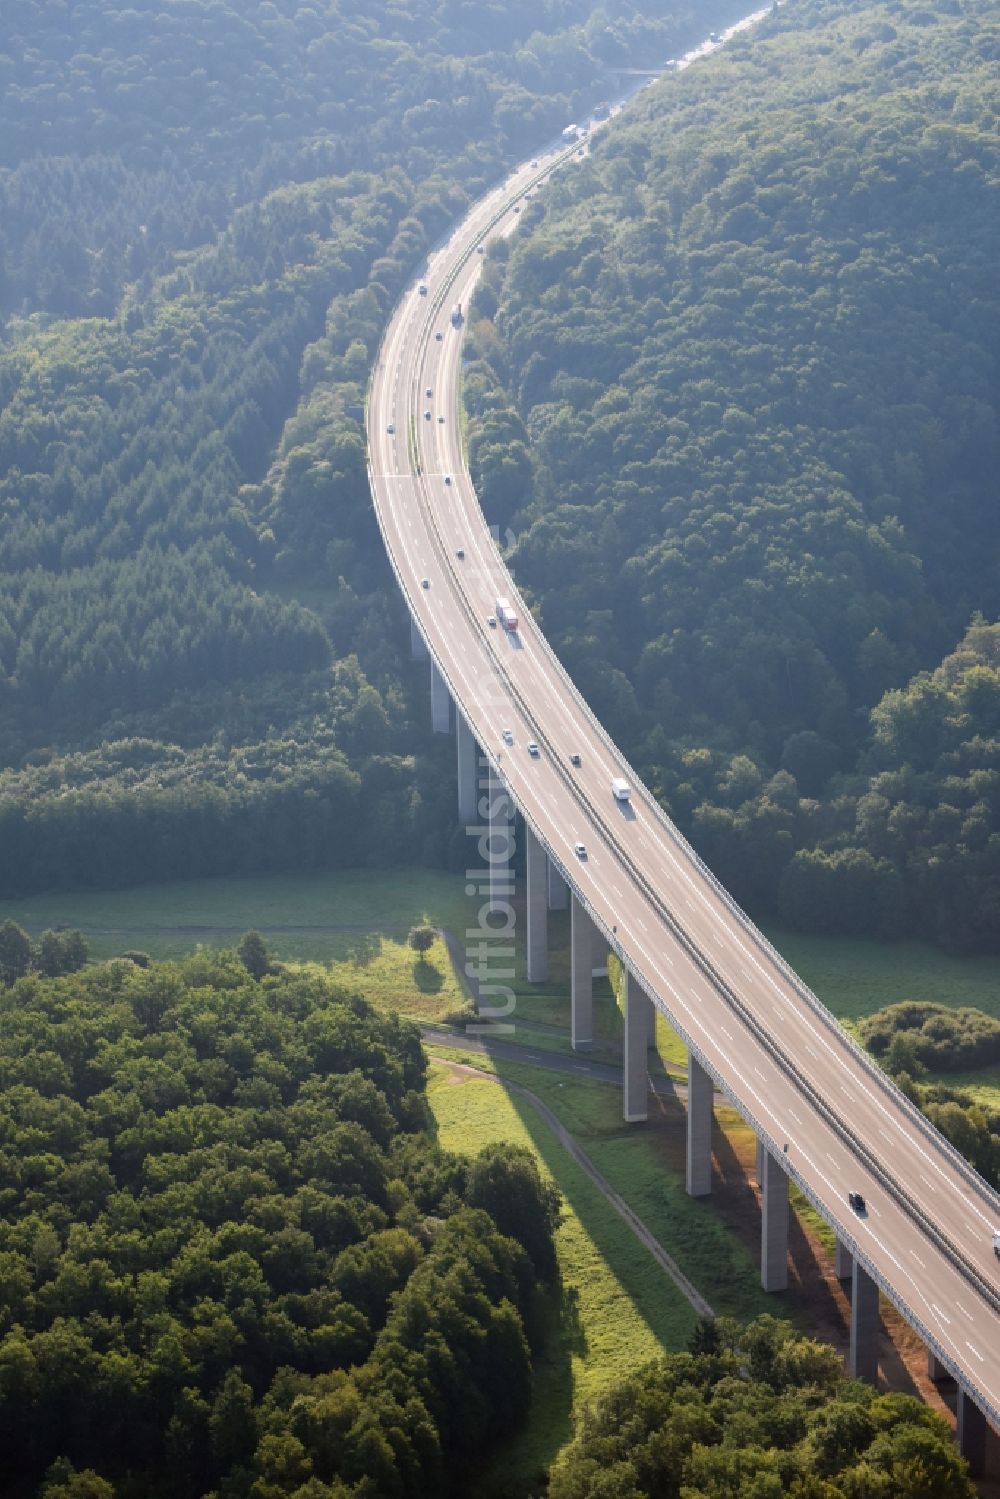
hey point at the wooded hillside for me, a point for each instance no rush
(749, 353)
(206, 214)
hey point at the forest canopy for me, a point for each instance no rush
(762, 1412)
(206, 212)
(233, 1258)
(746, 357)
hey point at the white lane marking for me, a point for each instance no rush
(918, 1259)
(939, 1313)
(976, 1351)
(965, 1312)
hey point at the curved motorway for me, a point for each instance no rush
(773, 1049)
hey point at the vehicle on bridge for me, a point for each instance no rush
(456, 315)
(506, 615)
(621, 789)
(996, 1244)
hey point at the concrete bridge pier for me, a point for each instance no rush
(638, 1023)
(699, 1129)
(599, 953)
(862, 1359)
(843, 1262)
(440, 702)
(418, 649)
(538, 913)
(558, 889)
(971, 1432)
(500, 845)
(774, 1225)
(467, 770)
(935, 1369)
(581, 1004)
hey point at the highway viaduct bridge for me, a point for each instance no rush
(825, 1116)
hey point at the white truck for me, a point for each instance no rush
(506, 615)
(621, 789)
(456, 315)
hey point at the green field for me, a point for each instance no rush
(611, 1319)
(854, 976)
(357, 920)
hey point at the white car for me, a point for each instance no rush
(428, 392)
(508, 736)
(391, 429)
(532, 749)
(491, 620)
(580, 849)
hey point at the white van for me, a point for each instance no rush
(621, 789)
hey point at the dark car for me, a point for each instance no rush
(857, 1201)
(574, 759)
